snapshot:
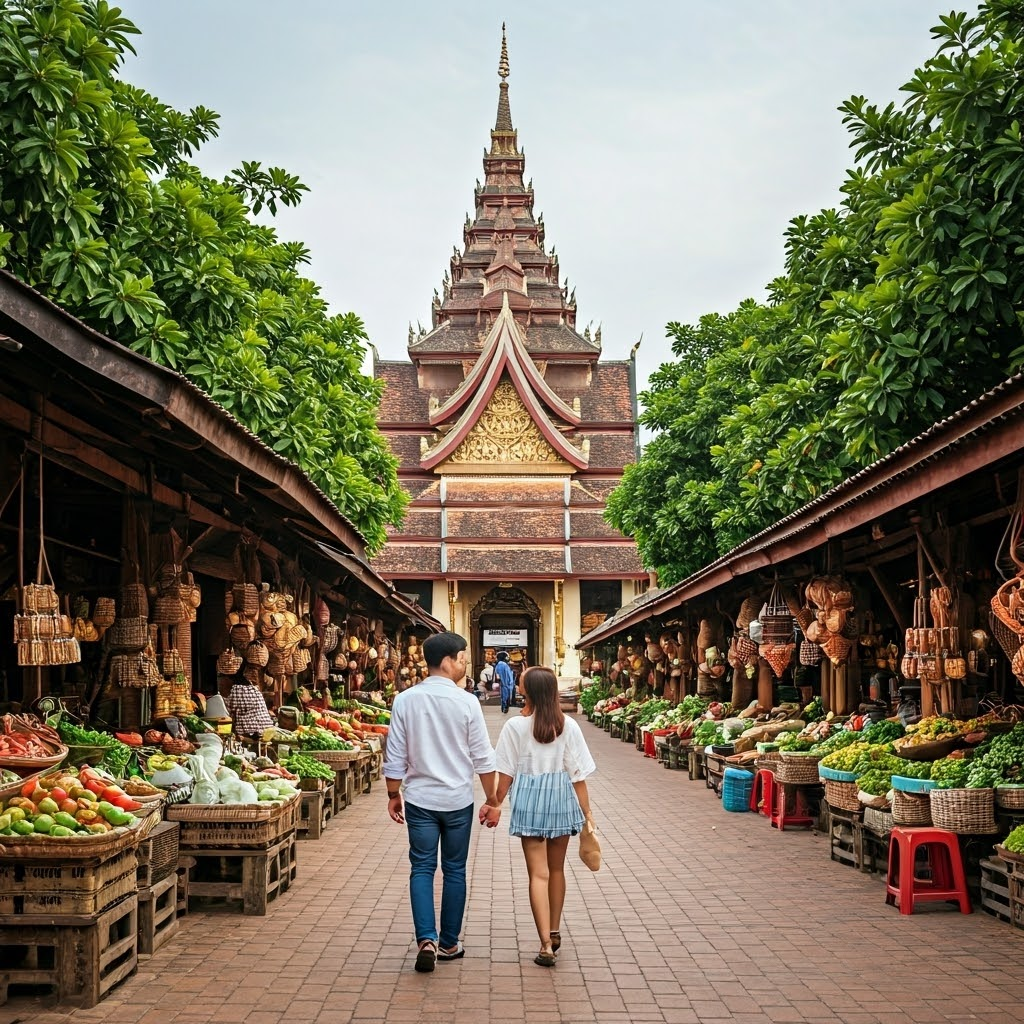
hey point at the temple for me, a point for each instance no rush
(510, 433)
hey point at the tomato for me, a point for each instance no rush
(95, 786)
(58, 794)
(126, 803)
(68, 805)
(28, 789)
(111, 793)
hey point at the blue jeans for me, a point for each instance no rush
(451, 830)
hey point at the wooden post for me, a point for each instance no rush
(765, 684)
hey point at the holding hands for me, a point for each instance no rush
(490, 814)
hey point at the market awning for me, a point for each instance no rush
(979, 435)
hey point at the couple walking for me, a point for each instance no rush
(436, 743)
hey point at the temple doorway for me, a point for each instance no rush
(505, 619)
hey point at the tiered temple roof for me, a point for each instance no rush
(509, 431)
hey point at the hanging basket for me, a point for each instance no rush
(133, 671)
(810, 654)
(40, 653)
(246, 599)
(332, 637)
(171, 663)
(242, 634)
(40, 598)
(257, 653)
(229, 662)
(837, 647)
(104, 614)
(128, 634)
(134, 602)
(778, 656)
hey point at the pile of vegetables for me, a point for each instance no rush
(814, 711)
(875, 782)
(883, 732)
(998, 761)
(306, 767)
(313, 737)
(1014, 842)
(117, 755)
(950, 773)
(794, 741)
(590, 696)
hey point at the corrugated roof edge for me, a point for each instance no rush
(196, 392)
(855, 484)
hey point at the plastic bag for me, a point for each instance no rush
(235, 791)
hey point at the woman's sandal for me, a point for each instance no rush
(545, 958)
(556, 941)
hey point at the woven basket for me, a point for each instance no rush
(134, 671)
(970, 811)
(799, 772)
(128, 634)
(242, 634)
(246, 599)
(335, 757)
(837, 647)
(842, 795)
(169, 610)
(171, 663)
(878, 821)
(59, 651)
(910, 808)
(40, 598)
(229, 662)
(810, 654)
(1010, 797)
(134, 602)
(256, 653)
(104, 614)
(332, 637)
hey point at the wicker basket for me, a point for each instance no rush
(801, 772)
(128, 634)
(228, 662)
(969, 811)
(134, 601)
(934, 750)
(878, 821)
(911, 808)
(335, 757)
(1010, 797)
(40, 598)
(842, 795)
(72, 848)
(103, 613)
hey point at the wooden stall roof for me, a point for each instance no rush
(121, 415)
(989, 429)
(183, 417)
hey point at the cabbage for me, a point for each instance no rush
(205, 793)
(235, 791)
(225, 774)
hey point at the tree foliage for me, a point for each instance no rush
(894, 310)
(102, 210)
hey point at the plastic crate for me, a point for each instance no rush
(736, 787)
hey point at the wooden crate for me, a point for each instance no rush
(317, 809)
(344, 786)
(995, 888)
(158, 853)
(78, 959)
(364, 772)
(158, 914)
(33, 890)
(253, 877)
(845, 841)
(219, 835)
(184, 876)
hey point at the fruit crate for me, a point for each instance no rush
(316, 811)
(995, 888)
(344, 786)
(79, 959)
(221, 826)
(52, 889)
(846, 839)
(248, 876)
(158, 914)
(158, 853)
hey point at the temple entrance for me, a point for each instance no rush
(505, 619)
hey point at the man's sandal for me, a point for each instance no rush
(426, 957)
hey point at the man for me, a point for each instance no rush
(437, 740)
(486, 679)
(506, 677)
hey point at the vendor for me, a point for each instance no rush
(248, 708)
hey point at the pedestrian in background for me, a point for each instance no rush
(506, 680)
(543, 759)
(437, 741)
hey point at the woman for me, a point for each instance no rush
(543, 757)
(248, 709)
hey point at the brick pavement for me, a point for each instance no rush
(697, 916)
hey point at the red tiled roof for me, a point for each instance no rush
(506, 560)
(403, 401)
(508, 489)
(606, 560)
(405, 448)
(599, 487)
(420, 489)
(591, 524)
(508, 523)
(608, 399)
(397, 559)
(610, 451)
(419, 523)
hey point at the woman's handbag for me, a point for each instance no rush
(590, 848)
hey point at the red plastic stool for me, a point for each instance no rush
(789, 807)
(762, 793)
(947, 881)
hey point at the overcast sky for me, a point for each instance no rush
(669, 143)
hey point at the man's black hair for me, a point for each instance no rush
(502, 655)
(440, 646)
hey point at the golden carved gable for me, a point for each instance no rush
(506, 434)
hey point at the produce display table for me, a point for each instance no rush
(251, 876)
(79, 957)
(316, 811)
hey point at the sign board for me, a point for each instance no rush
(505, 638)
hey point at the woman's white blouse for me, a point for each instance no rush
(518, 753)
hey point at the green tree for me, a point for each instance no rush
(893, 311)
(102, 210)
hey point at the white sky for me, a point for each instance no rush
(669, 143)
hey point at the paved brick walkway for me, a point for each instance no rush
(697, 916)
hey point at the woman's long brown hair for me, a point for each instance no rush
(541, 688)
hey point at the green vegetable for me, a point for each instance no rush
(78, 736)
(308, 767)
(950, 773)
(876, 782)
(1014, 842)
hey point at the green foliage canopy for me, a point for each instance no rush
(102, 211)
(893, 311)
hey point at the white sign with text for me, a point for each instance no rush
(504, 638)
